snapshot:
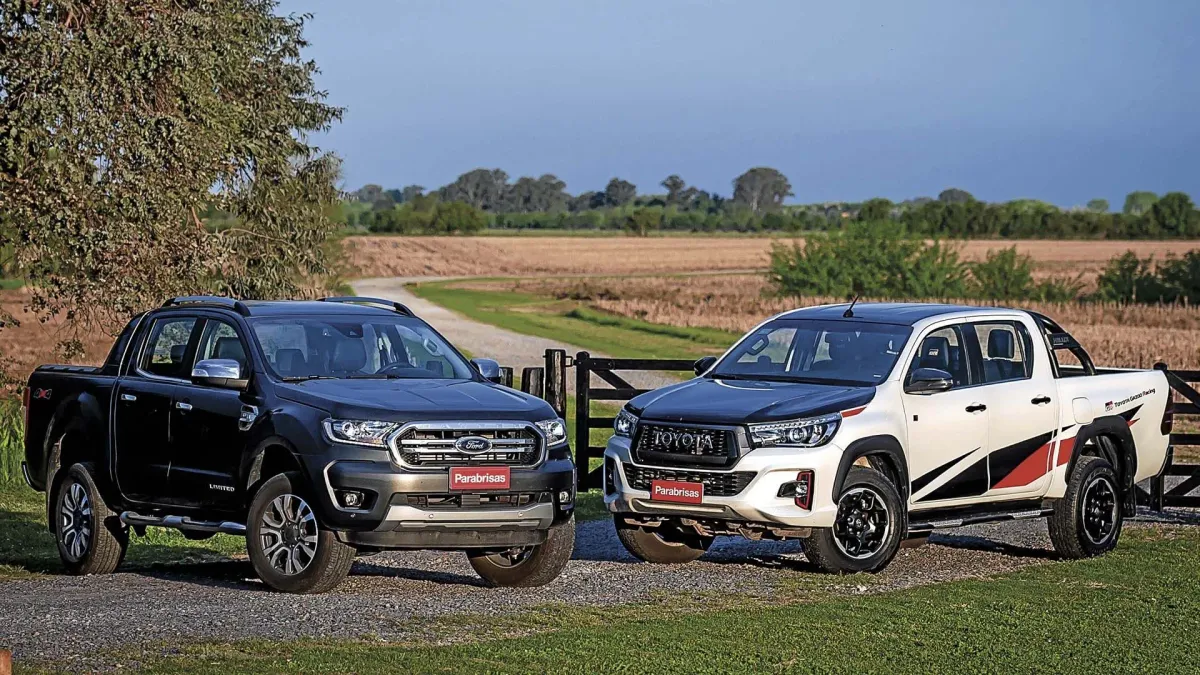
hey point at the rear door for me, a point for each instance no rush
(948, 430)
(207, 444)
(142, 410)
(1022, 404)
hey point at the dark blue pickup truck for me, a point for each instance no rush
(318, 430)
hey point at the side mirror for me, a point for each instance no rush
(703, 364)
(489, 368)
(928, 381)
(223, 373)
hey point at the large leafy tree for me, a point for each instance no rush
(121, 121)
(761, 189)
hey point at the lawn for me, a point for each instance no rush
(1134, 610)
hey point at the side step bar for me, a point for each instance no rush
(976, 518)
(182, 523)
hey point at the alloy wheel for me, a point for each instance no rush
(1099, 510)
(863, 523)
(75, 514)
(288, 534)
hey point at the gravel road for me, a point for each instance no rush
(71, 618)
(482, 340)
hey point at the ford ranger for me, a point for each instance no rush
(318, 430)
(853, 428)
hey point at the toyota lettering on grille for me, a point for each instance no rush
(687, 441)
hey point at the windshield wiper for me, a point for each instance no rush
(305, 378)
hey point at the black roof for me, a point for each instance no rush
(295, 307)
(897, 313)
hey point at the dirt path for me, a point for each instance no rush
(483, 340)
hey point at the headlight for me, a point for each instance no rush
(625, 423)
(807, 433)
(555, 431)
(360, 432)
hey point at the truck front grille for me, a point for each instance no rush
(672, 445)
(437, 445)
(715, 484)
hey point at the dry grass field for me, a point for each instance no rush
(1116, 335)
(33, 343)
(547, 256)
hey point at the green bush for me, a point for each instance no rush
(1002, 275)
(1128, 278)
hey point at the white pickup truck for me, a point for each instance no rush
(855, 427)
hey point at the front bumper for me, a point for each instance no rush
(758, 502)
(399, 511)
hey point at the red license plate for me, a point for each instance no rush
(479, 478)
(676, 491)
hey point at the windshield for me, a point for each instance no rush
(356, 347)
(836, 352)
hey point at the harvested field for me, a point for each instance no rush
(32, 343)
(545, 256)
(1116, 335)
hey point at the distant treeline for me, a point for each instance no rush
(756, 205)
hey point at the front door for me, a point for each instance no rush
(948, 430)
(207, 445)
(142, 410)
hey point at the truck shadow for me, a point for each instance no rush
(976, 543)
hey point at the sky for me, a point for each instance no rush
(1063, 101)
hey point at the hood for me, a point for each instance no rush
(408, 400)
(716, 401)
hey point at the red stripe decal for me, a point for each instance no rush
(1029, 470)
(1064, 451)
(1133, 420)
(853, 411)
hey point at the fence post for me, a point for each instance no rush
(583, 410)
(533, 381)
(5, 662)
(556, 381)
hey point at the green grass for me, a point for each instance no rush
(574, 323)
(11, 284)
(1134, 610)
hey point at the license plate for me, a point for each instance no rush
(479, 478)
(676, 491)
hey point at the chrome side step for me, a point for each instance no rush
(974, 519)
(182, 523)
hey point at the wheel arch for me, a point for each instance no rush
(882, 452)
(1122, 455)
(272, 456)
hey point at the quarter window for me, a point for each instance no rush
(1005, 351)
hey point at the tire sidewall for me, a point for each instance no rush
(99, 521)
(830, 553)
(649, 544)
(544, 564)
(305, 581)
(1091, 471)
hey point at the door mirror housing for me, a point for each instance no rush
(223, 373)
(489, 368)
(703, 364)
(928, 381)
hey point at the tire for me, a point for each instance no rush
(868, 503)
(667, 544)
(530, 566)
(1087, 521)
(290, 550)
(90, 537)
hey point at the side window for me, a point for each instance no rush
(287, 349)
(168, 345)
(943, 349)
(220, 341)
(1005, 350)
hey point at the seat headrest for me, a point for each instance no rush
(349, 355)
(1001, 345)
(935, 353)
(178, 352)
(230, 348)
(290, 362)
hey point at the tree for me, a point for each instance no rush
(457, 217)
(369, 194)
(674, 186)
(1175, 215)
(1138, 202)
(955, 196)
(875, 209)
(121, 121)
(642, 221)
(410, 192)
(619, 192)
(1098, 205)
(482, 188)
(761, 189)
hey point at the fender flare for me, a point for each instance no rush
(252, 467)
(1116, 427)
(83, 409)
(885, 445)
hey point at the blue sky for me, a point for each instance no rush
(1063, 101)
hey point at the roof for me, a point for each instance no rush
(301, 307)
(897, 313)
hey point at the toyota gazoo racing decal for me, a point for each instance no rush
(1014, 465)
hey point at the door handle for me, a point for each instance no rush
(1040, 400)
(128, 397)
(183, 406)
(976, 407)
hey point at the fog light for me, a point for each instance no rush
(352, 499)
(799, 490)
(564, 497)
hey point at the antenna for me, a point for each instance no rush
(849, 313)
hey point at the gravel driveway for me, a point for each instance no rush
(61, 617)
